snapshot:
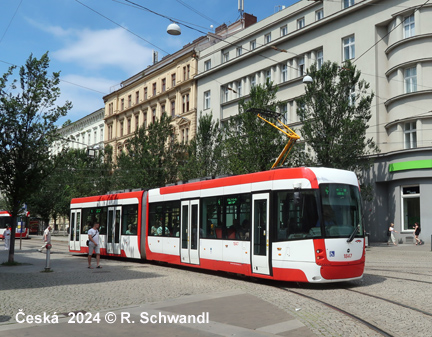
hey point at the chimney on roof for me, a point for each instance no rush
(155, 57)
(249, 19)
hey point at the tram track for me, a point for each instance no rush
(342, 311)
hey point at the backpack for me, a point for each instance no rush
(388, 232)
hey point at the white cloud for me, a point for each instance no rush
(104, 48)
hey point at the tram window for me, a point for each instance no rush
(226, 217)
(297, 216)
(164, 219)
(211, 217)
(130, 220)
(92, 215)
(341, 209)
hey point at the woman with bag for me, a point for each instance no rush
(392, 236)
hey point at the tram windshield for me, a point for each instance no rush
(341, 210)
(299, 215)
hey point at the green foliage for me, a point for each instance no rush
(74, 174)
(334, 112)
(203, 154)
(151, 157)
(27, 127)
(250, 144)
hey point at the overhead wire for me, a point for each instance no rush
(10, 22)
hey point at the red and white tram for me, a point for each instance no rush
(293, 224)
(21, 230)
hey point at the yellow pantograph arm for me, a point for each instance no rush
(292, 136)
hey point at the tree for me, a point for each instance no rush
(74, 174)
(27, 128)
(151, 157)
(334, 112)
(203, 157)
(250, 144)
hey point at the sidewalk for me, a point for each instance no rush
(216, 311)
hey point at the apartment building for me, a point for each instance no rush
(390, 43)
(85, 133)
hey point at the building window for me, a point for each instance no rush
(409, 26)
(320, 59)
(129, 101)
(145, 120)
(225, 57)
(239, 51)
(186, 72)
(172, 108)
(122, 104)
(154, 89)
(253, 80)
(110, 109)
(173, 80)
(268, 75)
(163, 85)
(185, 103)
(283, 30)
(410, 78)
(284, 110)
(207, 100)
(319, 14)
(207, 65)
(411, 206)
(137, 97)
(187, 135)
(153, 115)
(267, 38)
(145, 93)
(301, 66)
(225, 93)
(110, 132)
(348, 48)
(239, 88)
(121, 128)
(284, 73)
(129, 125)
(410, 134)
(163, 108)
(300, 23)
(348, 3)
(136, 122)
(252, 45)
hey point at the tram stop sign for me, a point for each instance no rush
(48, 246)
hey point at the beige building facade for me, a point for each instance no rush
(390, 43)
(167, 86)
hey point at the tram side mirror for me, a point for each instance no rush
(297, 198)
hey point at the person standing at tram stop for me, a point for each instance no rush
(46, 238)
(93, 236)
(392, 236)
(7, 237)
(417, 231)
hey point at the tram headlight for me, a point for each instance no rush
(318, 251)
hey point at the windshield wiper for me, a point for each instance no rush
(353, 234)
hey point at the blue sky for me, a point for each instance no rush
(92, 52)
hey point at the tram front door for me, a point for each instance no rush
(74, 230)
(189, 232)
(260, 234)
(113, 230)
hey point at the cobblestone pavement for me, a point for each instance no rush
(401, 274)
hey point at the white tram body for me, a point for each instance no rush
(294, 224)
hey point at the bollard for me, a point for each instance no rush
(47, 264)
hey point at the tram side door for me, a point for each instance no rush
(189, 236)
(260, 234)
(113, 230)
(75, 230)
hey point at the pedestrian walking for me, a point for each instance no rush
(417, 231)
(7, 238)
(46, 238)
(93, 237)
(392, 230)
